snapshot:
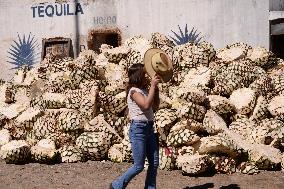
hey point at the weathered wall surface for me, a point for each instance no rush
(25, 23)
(276, 5)
(220, 22)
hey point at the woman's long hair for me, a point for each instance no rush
(136, 76)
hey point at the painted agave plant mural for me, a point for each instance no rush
(24, 51)
(183, 37)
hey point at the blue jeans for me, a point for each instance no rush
(144, 144)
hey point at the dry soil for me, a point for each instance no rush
(98, 175)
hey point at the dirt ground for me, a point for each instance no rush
(98, 175)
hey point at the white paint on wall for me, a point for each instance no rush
(220, 21)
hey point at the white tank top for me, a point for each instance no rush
(135, 112)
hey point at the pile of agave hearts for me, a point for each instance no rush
(222, 111)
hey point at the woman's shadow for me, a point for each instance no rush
(203, 186)
(211, 185)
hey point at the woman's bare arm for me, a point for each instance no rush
(146, 102)
(156, 101)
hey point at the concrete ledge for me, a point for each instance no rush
(273, 15)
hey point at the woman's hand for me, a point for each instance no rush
(155, 80)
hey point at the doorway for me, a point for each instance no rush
(277, 45)
(103, 36)
(277, 37)
(60, 47)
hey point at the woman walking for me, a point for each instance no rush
(140, 101)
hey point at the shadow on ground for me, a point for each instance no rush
(203, 186)
(211, 185)
(230, 186)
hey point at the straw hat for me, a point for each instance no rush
(158, 62)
